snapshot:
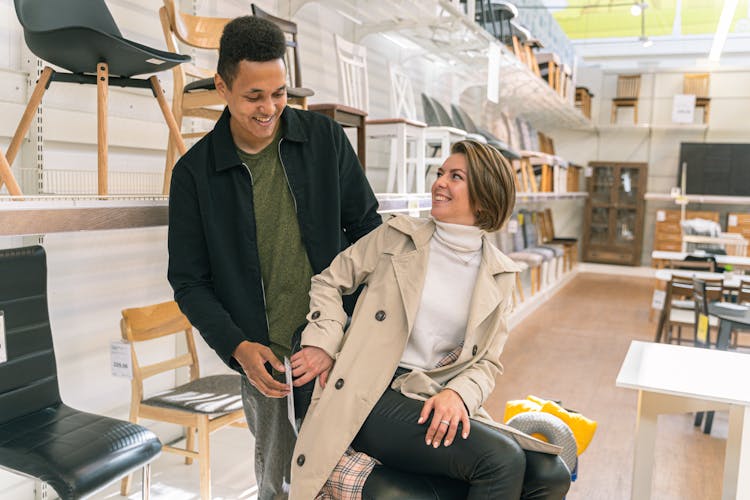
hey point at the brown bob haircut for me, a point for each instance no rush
(491, 183)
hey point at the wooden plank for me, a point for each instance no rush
(43, 221)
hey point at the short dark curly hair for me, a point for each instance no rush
(248, 38)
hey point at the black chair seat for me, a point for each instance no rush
(384, 483)
(215, 394)
(208, 84)
(85, 48)
(76, 453)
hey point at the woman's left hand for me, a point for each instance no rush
(448, 410)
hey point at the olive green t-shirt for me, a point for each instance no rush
(284, 264)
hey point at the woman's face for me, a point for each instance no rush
(450, 192)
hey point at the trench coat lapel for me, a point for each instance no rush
(410, 267)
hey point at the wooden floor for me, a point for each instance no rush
(571, 349)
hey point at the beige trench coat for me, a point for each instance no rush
(392, 262)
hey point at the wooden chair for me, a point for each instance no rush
(194, 94)
(583, 101)
(570, 245)
(628, 89)
(204, 404)
(697, 84)
(549, 69)
(679, 307)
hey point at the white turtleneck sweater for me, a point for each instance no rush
(452, 268)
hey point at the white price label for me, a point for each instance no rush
(3, 346)
(661, 216)
(732, 220)
(588, 171)
(657, 302)
(119, 353)
(290, 396)
(513, 226)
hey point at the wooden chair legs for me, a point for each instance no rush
(174, 129)
(6, 176)
(102, 95)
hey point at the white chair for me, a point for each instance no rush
(402, 130)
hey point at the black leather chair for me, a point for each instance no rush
(74, 452)
(81, 37)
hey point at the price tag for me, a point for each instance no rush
(512, 226)
(732, 220)
(119, 354)
(661, 216)
(290, 396)
(588, 171)
(657, 301)
(702, 333)
(3, 346)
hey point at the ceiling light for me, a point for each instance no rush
(635, 9)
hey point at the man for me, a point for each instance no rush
(257, 207)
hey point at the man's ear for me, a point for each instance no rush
(221, 86)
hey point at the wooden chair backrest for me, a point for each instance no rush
(628, 86)
(197, 32)
(696, 84)
(403, 103)
(155, 321)
(547, 215)
(352, 64)
(679, 287)
(698, 265)
(289, 28)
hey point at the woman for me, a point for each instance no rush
(422, 351)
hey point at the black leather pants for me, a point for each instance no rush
(492, 463)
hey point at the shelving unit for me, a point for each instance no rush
(447, 34)
(708, 199)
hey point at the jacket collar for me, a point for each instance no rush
(225, 152)
(421, 230)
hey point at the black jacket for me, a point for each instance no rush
(214, 266)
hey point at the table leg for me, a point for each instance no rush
(737, 459)
(725, 332)
(645, 443)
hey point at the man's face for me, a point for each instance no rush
(255, 100)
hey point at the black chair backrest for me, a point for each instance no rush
(28, 380)
(462, 119)
(443, 117)
(431, 117)
(45, 15)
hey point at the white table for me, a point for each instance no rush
(678, 379)
(736, 261)
(729, 282)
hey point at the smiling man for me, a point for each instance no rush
(257, 207)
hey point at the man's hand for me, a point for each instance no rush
(448, 411)
(310, 362)
(252, 357)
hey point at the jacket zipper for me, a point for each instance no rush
(262, 284)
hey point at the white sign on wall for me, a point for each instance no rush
(493, 73)
(683, 108)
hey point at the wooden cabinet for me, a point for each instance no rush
(613, 223)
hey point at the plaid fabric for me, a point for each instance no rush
(349, 476)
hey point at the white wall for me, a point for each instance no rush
(659, 145)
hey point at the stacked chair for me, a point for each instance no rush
(82, 38)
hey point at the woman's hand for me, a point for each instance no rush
(448, 410)
(310, 362)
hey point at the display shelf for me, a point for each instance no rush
(647, 127)
(700, 198)
(447, 34)
(29, 215)
(523, 197)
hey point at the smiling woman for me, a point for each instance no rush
(422, 351)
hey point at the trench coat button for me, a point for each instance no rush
(301, 460)
(315, 315)
(380, 315)
(339, 383)
(474, 351)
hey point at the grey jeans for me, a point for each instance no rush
(274, 440)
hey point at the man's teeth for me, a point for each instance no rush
(264, 120)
